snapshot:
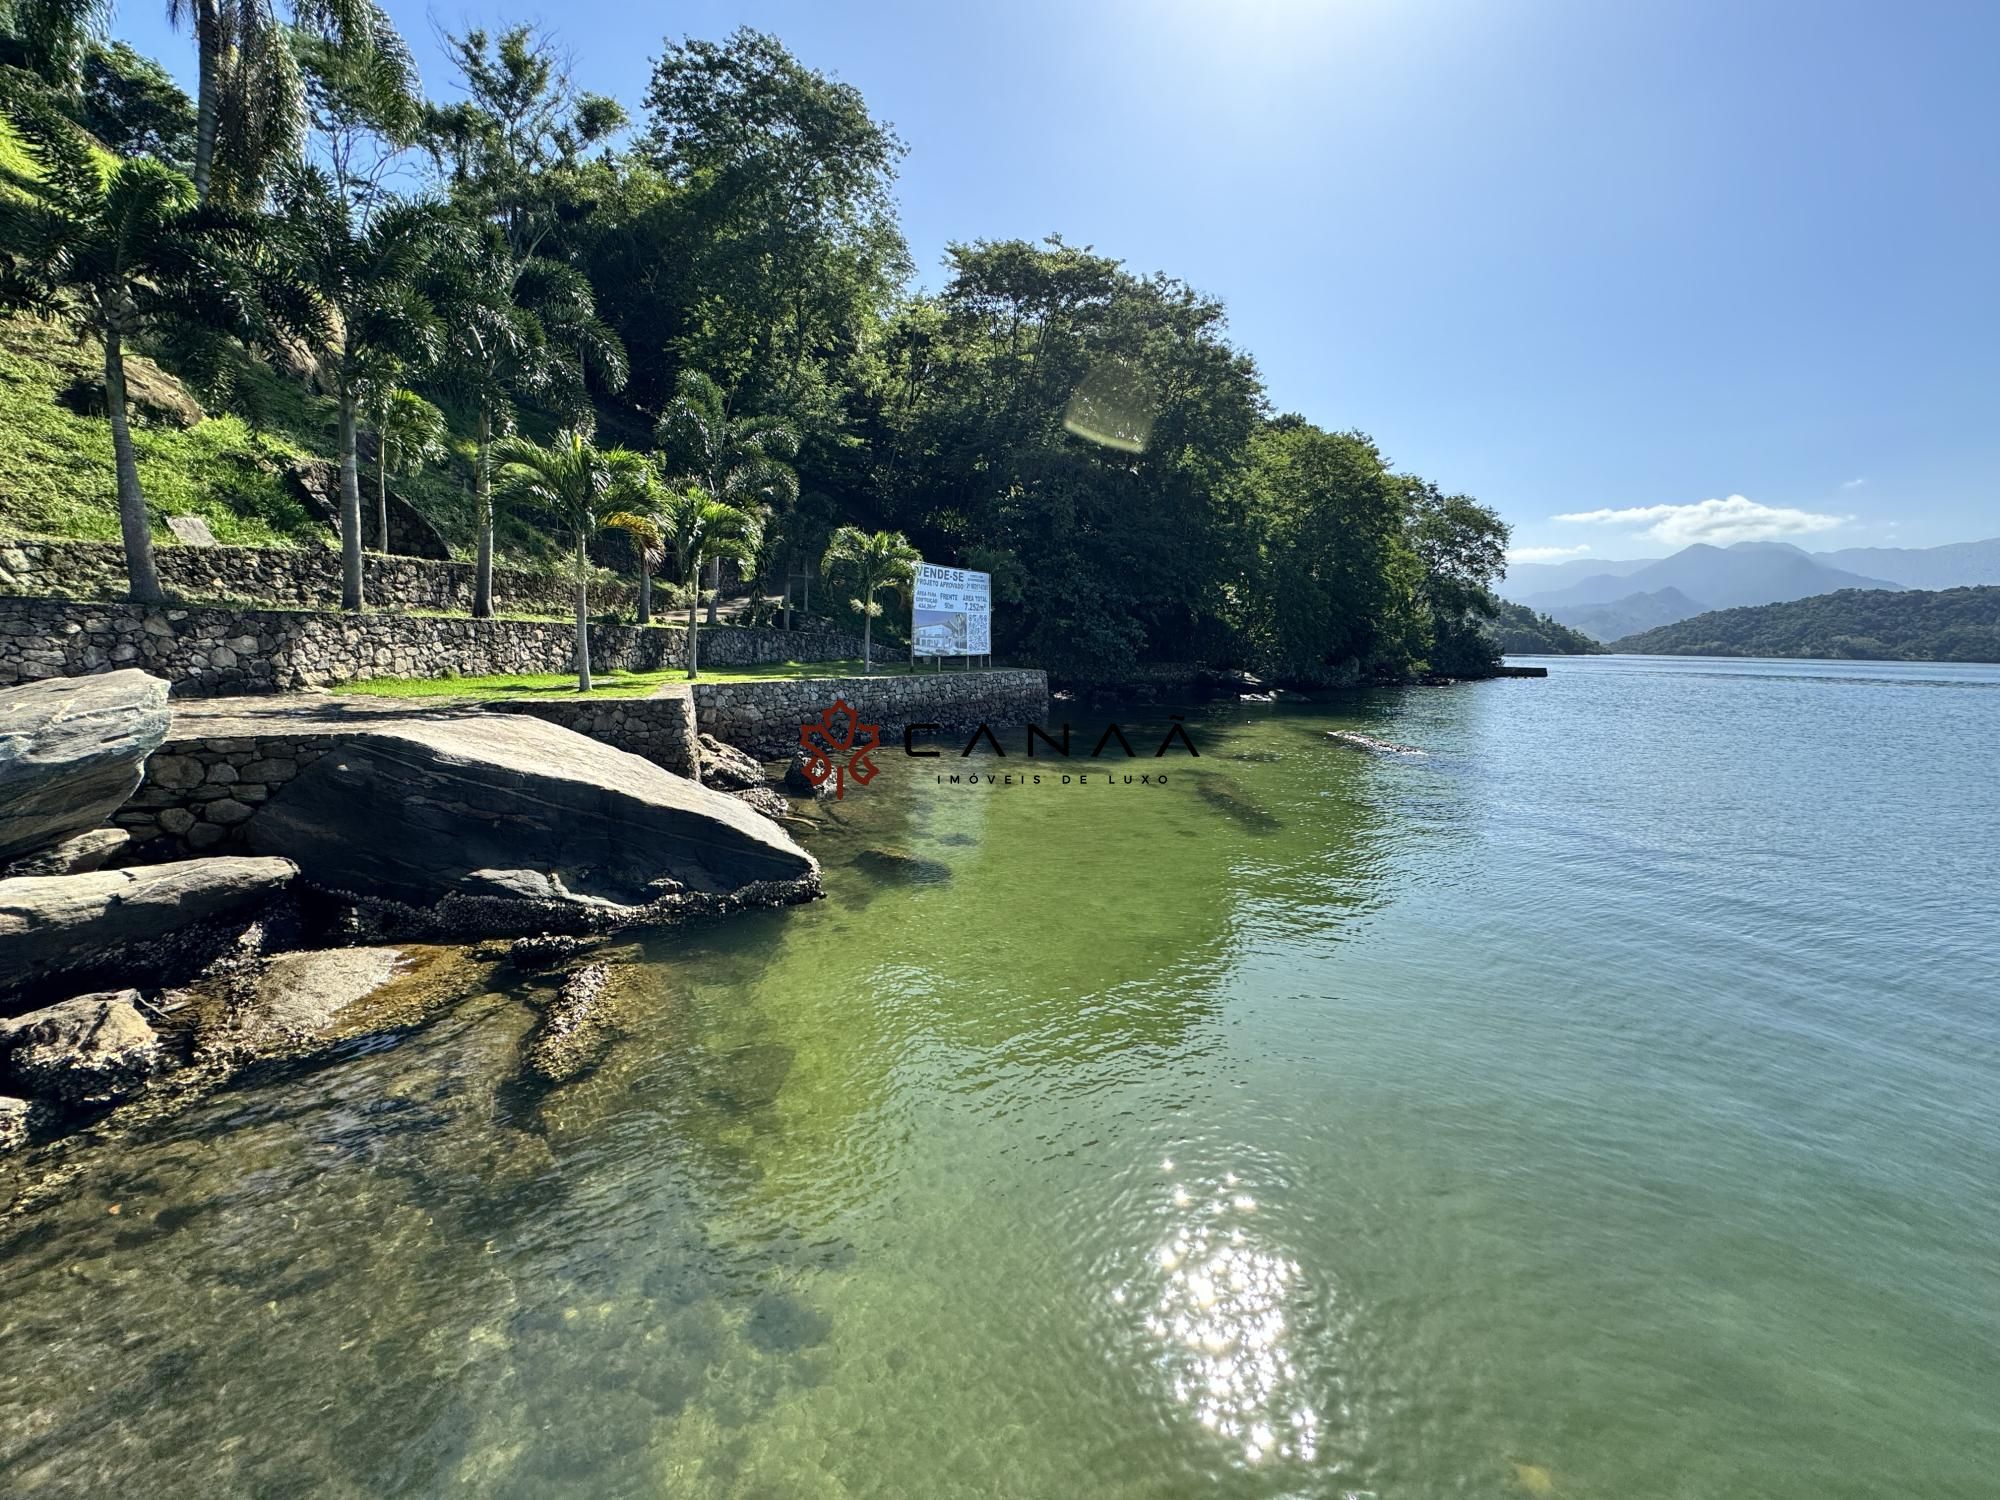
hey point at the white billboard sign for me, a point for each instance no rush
(952, 612)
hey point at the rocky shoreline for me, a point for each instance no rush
(395, 875)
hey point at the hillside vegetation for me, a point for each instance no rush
(1859, 624)
(1522, 632)
(631, 310)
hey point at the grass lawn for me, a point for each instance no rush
(603, 684)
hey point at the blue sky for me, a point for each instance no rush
(1692, 271)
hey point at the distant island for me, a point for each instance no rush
(1860, 624)
(1522, 632)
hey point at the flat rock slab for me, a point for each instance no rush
(58, 924)
(417, 809)
(72, 749)
(73, 856)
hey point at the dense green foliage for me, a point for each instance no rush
(1523, 632)
(721, 280)
(1858, 624)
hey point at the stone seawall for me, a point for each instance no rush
(764, 717)
(287, 577)
(205, 652)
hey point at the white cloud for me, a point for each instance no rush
(1545, 554)
(1718, 522)
(1852, 484)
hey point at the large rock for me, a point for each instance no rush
(73, 856)
(419, 810)
(94, 1049)
(72, 749)
(728, 769)
(317, 483)
(124, 924)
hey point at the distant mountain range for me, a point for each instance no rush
(1635, 612)
(1608, 599)
(1858, 625)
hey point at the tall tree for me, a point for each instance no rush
(741, 461)
(869, 562)
(364, 270)
(693, 526)
(577, 484)
(118, 254)
(252, 70)
(515, 329)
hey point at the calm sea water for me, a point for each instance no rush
(1603, 1103)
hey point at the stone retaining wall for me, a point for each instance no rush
(764, 717)
(204, 652)
(287, 577)
(660, 728)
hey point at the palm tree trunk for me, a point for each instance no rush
(208, 49)
(482, 498)
(867, 652)
(788, 593)
(694, 633)
(582, 613)
(350, 511)
(382, 494)
(645, 588)
(132, 522)
(714, 584)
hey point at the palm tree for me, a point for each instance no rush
(514, 327)
(250, 95)
(116, 253)
(575, 481)
(874, 561)
(694, 528)
(55, 36)
(361, 274)
(409, 433)
(744, 462)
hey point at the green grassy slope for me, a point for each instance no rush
(57, 480)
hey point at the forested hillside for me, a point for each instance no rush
(1863, 624)
(709, 280)
(1522, 632)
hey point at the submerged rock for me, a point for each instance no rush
(567, 1039)
(1368, 742)
(900, 865)
(292, 1004)
(727, 768)
(14, 1122)
(423, 809)
(72, 749)
(546, 950)
(95, 1049)
(147, 921)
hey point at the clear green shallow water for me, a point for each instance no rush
(1606, 1103)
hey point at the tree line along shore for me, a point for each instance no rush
(667, 336)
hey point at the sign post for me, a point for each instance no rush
(951, 614)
